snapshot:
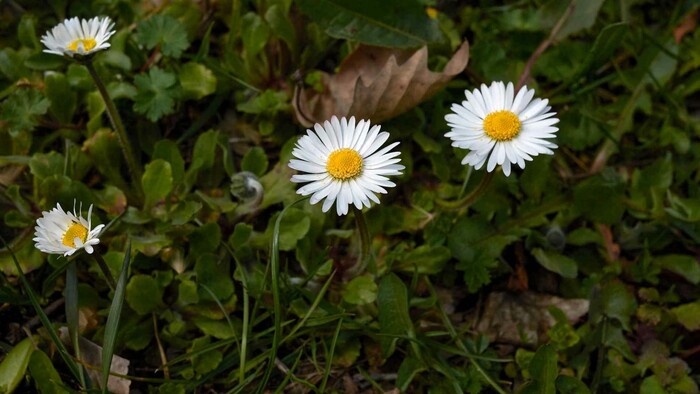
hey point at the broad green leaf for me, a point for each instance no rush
(157, 181)
(583, 17)
(600, 198)
(205, 239)
(571, 385)
(19, 112)
(44, 374)
(103, 149)
(408, 369)
(14, 365)
(207, 361)
(294, 226)
(219, 329)
(394, 321)
(609, 39)
(143, 294)
(360, 291)
(214, 273)
(684, 265)
(197, 81)
(187, 292)
(255, 161)
(556, 262)
(390, 23)
(168, 151)
(44, 165)
(165, 32)
(255, 33)
(688, 315)
(543, 370)
(424, 259)
(184, 212)
(281, 26)
(156, 93)
(63, 99)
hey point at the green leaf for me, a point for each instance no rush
(281, 26)
(255, 33)
(219, 329)
(424, 259)
(143, 294)
(20, 111)
(14, 365)
(683, 265)
(44, 165)
(205, 239)
(360, 291)
(269, 102)
(544, 371)
(583, 17)
(571, 385)
(207, 361)
(600, 198)
(115, 311)
(609, 38)
(214, 273)
(294, 226)
(408, 369)
(187, 292)
(44, 374)
(197, 81)
(255, 161)
(168, 151)
(617, 302)
(688, 315)
(157, 181)
(556, 262)
(165, 32)
(390, 23)
(63, 99)
(184, 212)
(392, 301)
(156, 93)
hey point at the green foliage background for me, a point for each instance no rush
(206, 90)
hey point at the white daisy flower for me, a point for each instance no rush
(343, 163)
(504, 128)
(60, 232)
(78, 36)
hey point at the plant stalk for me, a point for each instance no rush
(363, 258)
(470, 198)
(118, 125)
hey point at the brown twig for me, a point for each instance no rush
(545, 44)
(48, 310)
(163, 357)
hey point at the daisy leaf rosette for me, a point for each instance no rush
(79, 36)
(343, 162)
(65, 232)
(499, 127)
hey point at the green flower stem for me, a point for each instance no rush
(105, 270)
(470, 198)
(72, 314)
(363, 259)
(118, 126)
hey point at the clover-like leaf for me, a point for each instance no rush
(165, 32)
(156, 93)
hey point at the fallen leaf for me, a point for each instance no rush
(522, 318)
(377, 83)
(91, 354)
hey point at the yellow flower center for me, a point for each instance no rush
(88, 44)
(502, 125)
(76, 230)
(432, 12)
(344, 164)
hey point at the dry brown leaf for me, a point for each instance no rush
(377, 83)
(91, 354)
(522, 318)
(686, 26)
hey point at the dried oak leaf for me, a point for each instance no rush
(523, 318)
(377, 83)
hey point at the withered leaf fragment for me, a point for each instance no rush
(377, 83)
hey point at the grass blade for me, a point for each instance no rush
(112, 325)
(42, 316)
(277, 307)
